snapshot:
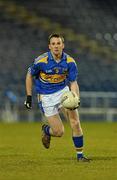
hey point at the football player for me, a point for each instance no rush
(54, 73)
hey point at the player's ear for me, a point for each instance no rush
(63, 45)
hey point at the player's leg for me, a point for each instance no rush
(77, 134)
(49, 105)
(64, 113)
(75, 122)
(55, 126)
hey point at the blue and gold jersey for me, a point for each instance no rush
(51, 76)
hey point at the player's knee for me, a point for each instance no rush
(58, 132)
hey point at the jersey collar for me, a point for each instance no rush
(63, 57)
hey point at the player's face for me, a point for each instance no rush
(56, 46)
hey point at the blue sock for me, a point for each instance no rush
(78, 143)
(46, 130)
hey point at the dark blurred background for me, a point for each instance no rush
(90, 31)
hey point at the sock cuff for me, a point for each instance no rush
(78, 141)
(46, 130)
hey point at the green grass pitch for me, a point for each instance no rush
(22, 156)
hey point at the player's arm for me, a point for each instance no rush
(73, 73)
(32, 72)
(74, 87)
(29, 82)
(72, 76)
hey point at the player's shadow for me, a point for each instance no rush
(104, 158)
(92, 158)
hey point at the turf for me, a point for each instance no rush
(22, 156)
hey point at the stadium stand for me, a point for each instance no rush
(97, 19)
(18, 48)
(90, 33)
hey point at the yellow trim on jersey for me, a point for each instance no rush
(43, 60)
(70, 59)
(52, 78)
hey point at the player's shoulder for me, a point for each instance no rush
(69, 59)
(41, 58)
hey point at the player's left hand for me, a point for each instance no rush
(76, 106)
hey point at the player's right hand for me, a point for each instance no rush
(28, 102)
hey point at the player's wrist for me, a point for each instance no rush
(29, 98)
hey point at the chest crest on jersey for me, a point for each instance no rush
(56, 70)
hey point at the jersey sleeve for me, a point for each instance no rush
(73, 71)
(38, 63)
(34, 69)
